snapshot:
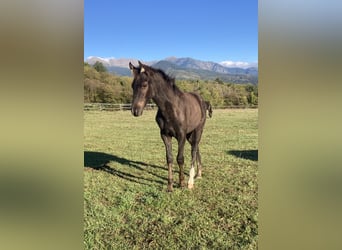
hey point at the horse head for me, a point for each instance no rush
(141, 85)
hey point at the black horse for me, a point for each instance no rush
(181, 115)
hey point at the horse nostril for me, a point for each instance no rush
(135, 111)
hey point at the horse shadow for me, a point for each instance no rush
(245, 154)
(100, 161)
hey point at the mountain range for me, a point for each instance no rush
(184, 68)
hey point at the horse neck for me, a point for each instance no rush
(165, 94)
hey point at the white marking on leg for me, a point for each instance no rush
(191, 177)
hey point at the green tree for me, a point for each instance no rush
(253, 99)
(99, 67)
(218, 80)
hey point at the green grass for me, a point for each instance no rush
(126, 205)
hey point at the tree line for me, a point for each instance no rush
(101, 86)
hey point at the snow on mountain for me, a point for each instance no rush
(113, 62)
(238, 64)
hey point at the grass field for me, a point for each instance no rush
(126, 205)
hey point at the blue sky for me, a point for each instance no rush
(210, 30)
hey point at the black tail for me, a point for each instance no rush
(209, 108)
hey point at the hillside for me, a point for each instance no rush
(194, 72)
(185, 68)
(105, 87)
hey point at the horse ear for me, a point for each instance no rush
(142, 69)
(132, 68)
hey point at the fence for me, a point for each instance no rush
(118, 107)
(112, 106)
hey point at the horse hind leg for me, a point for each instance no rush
(191, 176)
(199, 164)
(190, 138)
(194, 148)
(194, 139)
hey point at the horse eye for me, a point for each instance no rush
(144, 85)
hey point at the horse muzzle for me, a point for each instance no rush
(137, 111)
(138, 107)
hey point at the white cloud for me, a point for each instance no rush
(238, 64)
(105, 59)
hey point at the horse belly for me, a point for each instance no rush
(194, 119)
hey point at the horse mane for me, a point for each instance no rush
(170, 80)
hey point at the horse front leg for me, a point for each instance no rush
(169, 160)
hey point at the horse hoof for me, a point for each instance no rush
(169, 189)
(190, 186)
(198, 177)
